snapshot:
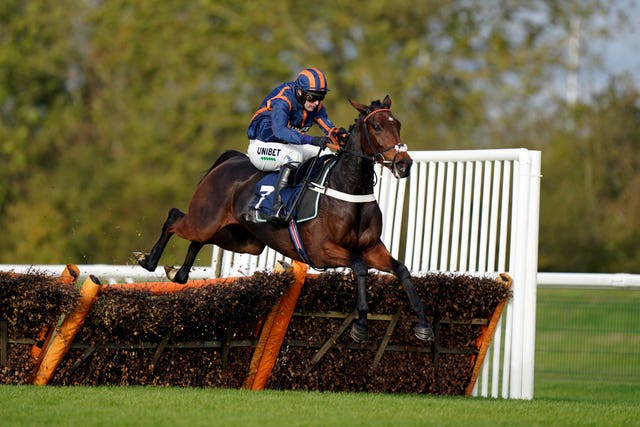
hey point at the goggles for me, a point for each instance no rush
(312, 97)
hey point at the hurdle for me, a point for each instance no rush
(469, 212)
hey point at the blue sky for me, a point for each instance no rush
(621, 53)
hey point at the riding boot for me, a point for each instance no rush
(279, 209)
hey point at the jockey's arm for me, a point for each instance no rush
(280, 124)
(323, 121)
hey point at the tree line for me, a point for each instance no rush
(112, 110)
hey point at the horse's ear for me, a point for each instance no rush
(360, 107)
(387, 101)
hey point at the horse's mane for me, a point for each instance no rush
(223, 157)
(375, 105)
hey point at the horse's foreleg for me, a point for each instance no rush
(359, 329)
(150, 261)
(182, 275)
(423, 329)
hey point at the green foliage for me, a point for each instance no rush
(589, 190)
(36, 107)
(110, 111)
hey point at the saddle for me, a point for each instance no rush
(302, 204)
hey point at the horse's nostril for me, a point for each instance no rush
(406, 165)
(402, 168)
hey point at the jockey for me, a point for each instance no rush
(278, 130)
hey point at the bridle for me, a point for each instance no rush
(378, 155)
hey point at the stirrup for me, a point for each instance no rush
(279, 215)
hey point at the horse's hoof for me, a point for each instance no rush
(359, 333)
(173, 275)
(140, 257)
(143, 260)
(170, 272)
(282, 267)
(424, 333)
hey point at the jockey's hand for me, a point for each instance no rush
(318, 141)
(338, 136)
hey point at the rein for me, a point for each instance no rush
(365, 198)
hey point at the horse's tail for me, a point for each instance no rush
(223, 157)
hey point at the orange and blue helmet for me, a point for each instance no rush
(312, 80)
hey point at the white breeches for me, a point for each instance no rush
(269, 156)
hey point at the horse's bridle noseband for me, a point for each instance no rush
(400, 148)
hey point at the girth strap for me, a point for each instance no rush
(354, 198)
(299, 246)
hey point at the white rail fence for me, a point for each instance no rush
(471, 212)
(112, 274)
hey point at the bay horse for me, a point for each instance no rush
(345, 233)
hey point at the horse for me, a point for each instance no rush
(345, 233)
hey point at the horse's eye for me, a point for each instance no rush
(375, 126)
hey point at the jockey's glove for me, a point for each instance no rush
(338, 135)
(318, 141)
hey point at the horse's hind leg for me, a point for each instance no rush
(182, 275)
(423, 330)
(359, 329)
(150, 261)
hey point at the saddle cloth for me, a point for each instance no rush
(307, 208)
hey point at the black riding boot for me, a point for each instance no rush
(279, 210)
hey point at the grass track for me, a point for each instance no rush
(170, 406)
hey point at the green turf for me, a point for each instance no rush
(588, 336)
(164, 406)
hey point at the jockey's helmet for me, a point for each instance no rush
(313, 81)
